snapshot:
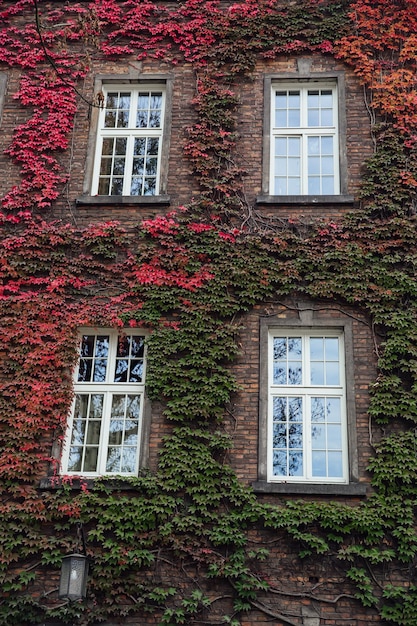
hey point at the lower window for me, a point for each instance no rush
(307, 431)
(104, 429)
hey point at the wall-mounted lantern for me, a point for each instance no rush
(73, 581)
(74, 571)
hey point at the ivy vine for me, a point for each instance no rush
(166, 540)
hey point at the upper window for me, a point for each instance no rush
(104, 429)
(304, 139)
(307, 434)
(129, 141)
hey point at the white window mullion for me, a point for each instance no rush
(104, 435)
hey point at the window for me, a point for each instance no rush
(129, 141)
(307, 435)
(304, 146)
(104, 430)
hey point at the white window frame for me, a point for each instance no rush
(307, 391)
(303, 132)
(107, 388)
(131, 132)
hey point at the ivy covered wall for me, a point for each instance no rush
(188, 541)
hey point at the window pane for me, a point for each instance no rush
(328, 185)
(279, 463)
(319, 464)
(149, 187)
(136, 186)
(333, 410)
(314, 186)
(295, 466)
(107, 146)
(335, 465)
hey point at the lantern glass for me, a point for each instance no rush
(73, 581)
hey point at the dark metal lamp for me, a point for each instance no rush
(73, 581)
(74, 571)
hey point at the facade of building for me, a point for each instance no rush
(208, 311)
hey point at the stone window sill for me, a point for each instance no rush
(353, 489)
(123, 200)
(305, 200)
(76, 483)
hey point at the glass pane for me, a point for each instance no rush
(136, 371)
(327, 163)
(280, 347)
(294, 165)
(317, 373)
(333, 410)
(138, 167)
(93, 432)
(110, 119)
(313, 145)
(90, 459)
(314, 186)
(281, 165)
(119, 166)
(316, 348)
(136, 187)
(334, 437)
(111, 102)
(118, 406)
(74, 461)
(294, 146)
(295, 410)
(87, 345)
(105, 167)
(294, 373)
(326, 145)
(139, 146)
(113, 460)
(121, 144)
(96, 405)
(279, 435)
(123, 119)
(294, 347)
(281, 146)
(332, 373)
(318, 437)
(295, 465)
(317, 410)
(84, 370)
(78, 432)
(279, 463)
(280, 374)
(117, 187)
(279, 408)
(151, 166)
(295, 439)
(153, 145)
(314, 166)
(313, 117)
(131, 433)
(116, 432)
(149, 187)
(100, 368)
(335, 463)
(319, 464)
(137, 346)
(128, 460)
(103, 187)
(327, 186)
(294, 186)
(107, 146)
(120, 375)
(280, 118)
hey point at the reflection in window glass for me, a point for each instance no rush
(308, 439)
(104, 433)
(129, 143)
